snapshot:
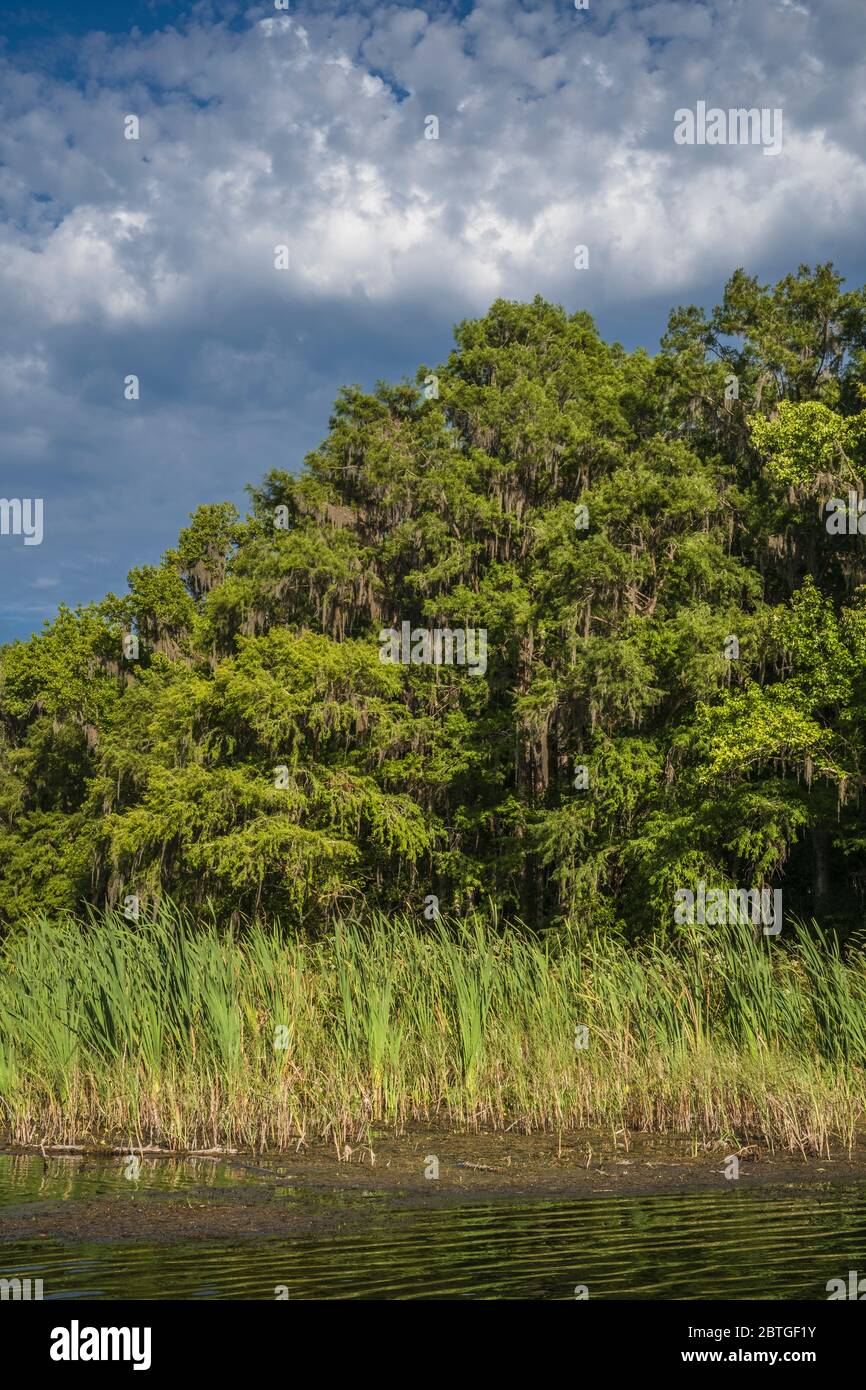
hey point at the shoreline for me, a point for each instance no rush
(311, 1193)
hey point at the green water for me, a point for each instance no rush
(731, 1244)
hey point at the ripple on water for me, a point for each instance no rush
(727, 1245)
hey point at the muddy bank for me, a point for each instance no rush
(314, 1192)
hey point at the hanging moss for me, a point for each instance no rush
(259, 644)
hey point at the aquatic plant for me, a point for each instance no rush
(194, 1034)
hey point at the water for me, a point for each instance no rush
(730, 1244)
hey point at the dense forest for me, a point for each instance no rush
(675, 682)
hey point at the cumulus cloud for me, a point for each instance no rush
(260, 128)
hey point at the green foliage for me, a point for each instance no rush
(608, 647)
(806, 440)
(193, 1035)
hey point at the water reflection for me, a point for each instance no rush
(732, 1244)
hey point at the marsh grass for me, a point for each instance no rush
(163, 1032)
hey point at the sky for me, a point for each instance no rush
(307, 128)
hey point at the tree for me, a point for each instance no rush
(674, 674)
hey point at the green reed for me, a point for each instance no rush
(192, 1035)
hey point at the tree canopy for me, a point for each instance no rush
(676, 669)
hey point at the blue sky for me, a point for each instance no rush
(261, 127)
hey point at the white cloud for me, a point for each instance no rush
(556, 128)
(546, 120)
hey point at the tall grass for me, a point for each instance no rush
(164, 1032)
